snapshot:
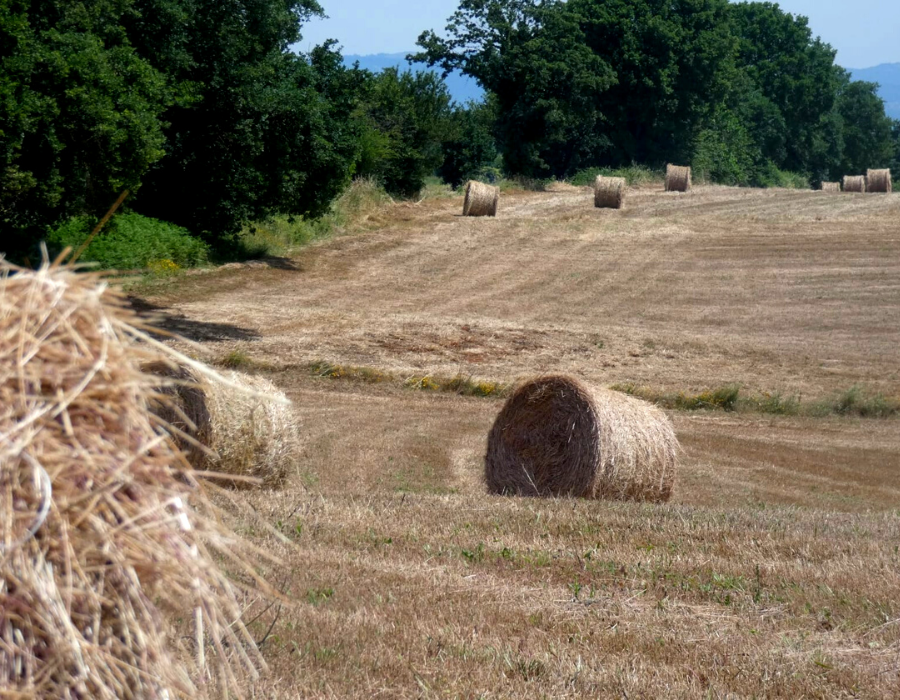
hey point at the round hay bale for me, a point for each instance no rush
(879, 181)
(678, 178)
(109, 546)
(831, 186)
(481, 199)
(557, 437)
(246, 430)
(609, 192)
(854, 183)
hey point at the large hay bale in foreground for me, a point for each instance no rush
(879, 181)
(678, 178)
(109, 545)
(609, 192)
(248, 433)
(831, 186)
(854, 183)
(557, 437)
(481, 199)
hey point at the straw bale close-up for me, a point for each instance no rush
(250, 433)
(109, 545)
(481, 199)
(879, 181)
(557, 437)
(854, 183)
(609, 192)
(831, 186)
(678, 178)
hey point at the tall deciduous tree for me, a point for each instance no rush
(407, 117)
(266, 130)
(794, 73)
(866, 130)
(80, 112)
(672, 61)
(546, 81)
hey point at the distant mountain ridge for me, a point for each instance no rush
(887, 75)
(463, 88)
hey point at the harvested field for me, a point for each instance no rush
(773, 571)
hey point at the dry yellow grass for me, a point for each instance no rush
(609, 192)
(678, 178)
(480, 199)
(245, 431)
(879, 181)
(557, 437)
(772, 572)
(107, 540)
(854, 183)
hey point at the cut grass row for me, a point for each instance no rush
(855, 401)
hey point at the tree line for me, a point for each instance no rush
(202, 110)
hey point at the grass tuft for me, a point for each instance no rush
(633, 174)
(855, 401)
(460, 385)
(281, 235)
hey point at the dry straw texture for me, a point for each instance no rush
(678, 178)
(854, 183)
(106, 536)
(879, 181)
(251, 433)
(609, 192)
(557, 437)
(481, 199)
(831, 186)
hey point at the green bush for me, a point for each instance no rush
(633, 174)
(130, 242)
(774, 177)
(857, 402)
(279, 235)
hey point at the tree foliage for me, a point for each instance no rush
(266, 130)
(197, 105)
(470, 147)
(80, 112)
(744, 91)
(405, 117)
(534, 60)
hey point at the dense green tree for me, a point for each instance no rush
(865, 129)
(533, 57)
(80, 112)
(198, 106)
(267, 130)
(470, 149)
(794, 85)
(406, 117)
(895, 160)
(673, 67)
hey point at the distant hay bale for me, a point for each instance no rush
(678, 178)
(879, 181)
(854, 183)
(109, 546)
(250, 433)
(557, 437)
(609, 192)
(481, 199)
(831, 186)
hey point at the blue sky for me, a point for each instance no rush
(865, 32)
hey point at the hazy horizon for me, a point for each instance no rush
(863, 34)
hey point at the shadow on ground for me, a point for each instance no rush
(199, 331)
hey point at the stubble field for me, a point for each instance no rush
(773, 572)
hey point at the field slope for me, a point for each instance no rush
(774, 571)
